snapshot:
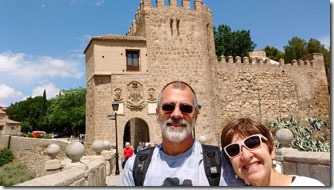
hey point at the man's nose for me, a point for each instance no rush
(177, 113)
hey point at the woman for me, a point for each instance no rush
(249, 147)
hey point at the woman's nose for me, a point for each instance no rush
(245, 153)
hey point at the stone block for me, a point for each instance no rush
(52, 164)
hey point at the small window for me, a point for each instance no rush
(132, 60)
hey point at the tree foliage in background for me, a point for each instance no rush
(273, 53)
(30, 113)
(232, 43)
(67, 111)
(64, 114)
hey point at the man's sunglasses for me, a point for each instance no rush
(252, 142)
(184, 108)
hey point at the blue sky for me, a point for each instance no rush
(42, 41)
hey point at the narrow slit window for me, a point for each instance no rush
(178, 27)
(171, 26)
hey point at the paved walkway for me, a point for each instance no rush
(114, 180)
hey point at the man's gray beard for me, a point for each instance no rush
(176, 134)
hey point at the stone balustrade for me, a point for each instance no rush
(77, 169)
(311, 164)
(80, 170)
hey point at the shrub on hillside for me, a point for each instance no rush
(6, 156)
(12, 174)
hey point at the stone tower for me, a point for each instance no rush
(174, 41)
(166, 42)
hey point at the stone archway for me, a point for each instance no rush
(136, 130)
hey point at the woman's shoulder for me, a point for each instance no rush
(305, 181)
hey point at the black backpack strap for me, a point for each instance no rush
(141, 163)
(212, 163)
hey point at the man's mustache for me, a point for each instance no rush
(176, 120)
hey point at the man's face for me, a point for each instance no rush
(175, 121)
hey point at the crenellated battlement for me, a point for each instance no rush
(309, 60)
(198, 4)
(147, 5)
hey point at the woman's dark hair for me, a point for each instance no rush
(245, 127)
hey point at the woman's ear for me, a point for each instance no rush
(273, 154)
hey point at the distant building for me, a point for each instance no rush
(8, 126)
(261, 54)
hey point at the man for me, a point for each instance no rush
(178, 161)
(140, 147)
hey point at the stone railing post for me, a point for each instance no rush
(106, 153)
(98, 146)
(53, 165)
(113, 159)
(75, 151)
(284, 137)
(202, 139)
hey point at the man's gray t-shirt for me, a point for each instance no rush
(181, 170)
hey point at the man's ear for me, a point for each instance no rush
(157, 113)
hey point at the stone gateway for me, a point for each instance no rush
(176, 42)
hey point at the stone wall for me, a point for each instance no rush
(31, 151)
(91, 171)
(267, 91)
(177, 43)
(316, 165)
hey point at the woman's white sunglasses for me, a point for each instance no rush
(252, 142)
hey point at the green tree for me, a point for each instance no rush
(44, 105)
(28, 112)
(67, 111)
(273, 53)
(295, 50)
(229, 43)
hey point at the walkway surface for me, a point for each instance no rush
(114, 180)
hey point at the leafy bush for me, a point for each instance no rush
(48, 137)
(315, 137)
(6, 156)
(12, 174)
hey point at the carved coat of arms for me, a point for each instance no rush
(135, 95)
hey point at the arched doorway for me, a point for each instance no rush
(135, 131)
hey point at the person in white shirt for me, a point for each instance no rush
(178, 160)
(249, 147)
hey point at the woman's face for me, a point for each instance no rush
(254, 166)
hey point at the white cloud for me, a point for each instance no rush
(24, 75)
(99, 2)
(77, 54)
(96, 2)
(7, 92)
(51, 90)
(325, 40)
(28, 68)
